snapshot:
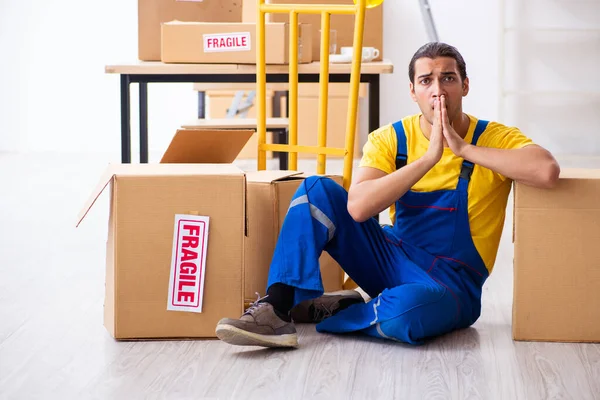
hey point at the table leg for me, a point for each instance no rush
(374, 108)
(143, 122)
(373, 103)
(201, 105)
(281, 137)
(125, 121)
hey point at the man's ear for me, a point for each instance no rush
(465, 87)
(412, 91)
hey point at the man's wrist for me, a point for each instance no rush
(428, 161)
(467, 151)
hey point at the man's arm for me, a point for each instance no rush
(531, 165)
(373, 190)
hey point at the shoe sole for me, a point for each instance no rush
(349, 293)
(239, 337)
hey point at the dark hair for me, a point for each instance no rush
(434, 50)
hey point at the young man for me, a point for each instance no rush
(447, 177)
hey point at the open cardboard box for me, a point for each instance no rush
(145, 273)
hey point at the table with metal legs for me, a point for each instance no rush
(144, 73)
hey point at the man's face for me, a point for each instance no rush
(436, 77)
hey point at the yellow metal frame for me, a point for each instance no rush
(326, 10)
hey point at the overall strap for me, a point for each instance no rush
(467, 166)
(401, 153)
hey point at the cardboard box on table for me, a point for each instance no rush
(151, 13)
(204, 42)
(557, 263)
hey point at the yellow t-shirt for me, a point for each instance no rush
(488, 191)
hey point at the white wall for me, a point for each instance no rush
(551, 81)
(55, 95)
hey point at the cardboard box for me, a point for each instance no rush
(269, 196)
(151, 13)
(199, 42)
(557, 264)
(337, 111)
(219, 101)
(342, 24)
(144, 200)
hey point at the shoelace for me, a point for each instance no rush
(322, 312)
(257, 304)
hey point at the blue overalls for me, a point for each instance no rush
(424, 274)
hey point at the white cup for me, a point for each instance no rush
(368, 53)
(332, 40)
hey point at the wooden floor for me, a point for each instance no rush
(53, 344)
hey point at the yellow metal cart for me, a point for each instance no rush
(293, 148)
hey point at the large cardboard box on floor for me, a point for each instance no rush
(269, 196)
(151, 13)
(557, 263)
(203, 42)
(342, 24)
(154, 260)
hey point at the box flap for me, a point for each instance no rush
(116, 170)
(270, 176)
(103, 183)
(206, 145)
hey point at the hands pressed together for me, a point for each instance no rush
(442, 132)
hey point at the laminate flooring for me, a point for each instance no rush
(53, 344)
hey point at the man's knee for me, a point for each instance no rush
(404, 328)
(322, 180)
(417, 312)
(322, 187)
(323, 184)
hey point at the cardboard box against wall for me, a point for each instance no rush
(151, 13)
(557, 264)
(203, 42)
(144, 199)
(337, 111)
(269, 196)
(342, 24)
(219, 101)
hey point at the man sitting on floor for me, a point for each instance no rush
(446, 176)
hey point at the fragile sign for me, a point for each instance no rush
(188, 264)
(220, 42)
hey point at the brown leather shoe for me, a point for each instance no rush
(258, 326)
(316, 310)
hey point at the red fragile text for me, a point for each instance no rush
(226, 42)
(189, 262)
